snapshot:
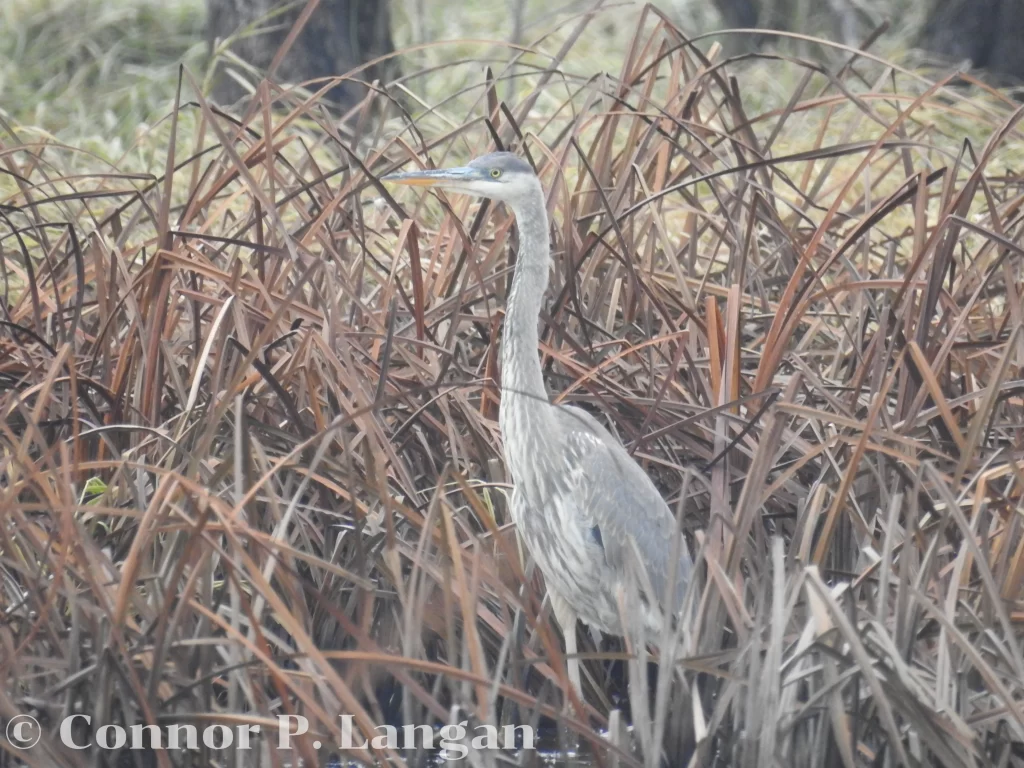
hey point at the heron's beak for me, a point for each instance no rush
(439, 178)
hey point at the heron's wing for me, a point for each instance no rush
(617, 498)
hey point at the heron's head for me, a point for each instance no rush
(498, 175)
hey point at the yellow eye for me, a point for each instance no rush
(495, 173)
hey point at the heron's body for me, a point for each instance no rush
(585, 509)
(580, 551)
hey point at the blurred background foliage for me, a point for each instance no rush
(96, 73)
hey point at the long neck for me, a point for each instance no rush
(521, 375)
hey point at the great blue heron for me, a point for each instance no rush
(579, 499)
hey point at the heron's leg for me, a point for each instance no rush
(566, 617)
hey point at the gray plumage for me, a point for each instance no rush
(584, 507)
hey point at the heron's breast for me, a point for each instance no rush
(567, 553)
